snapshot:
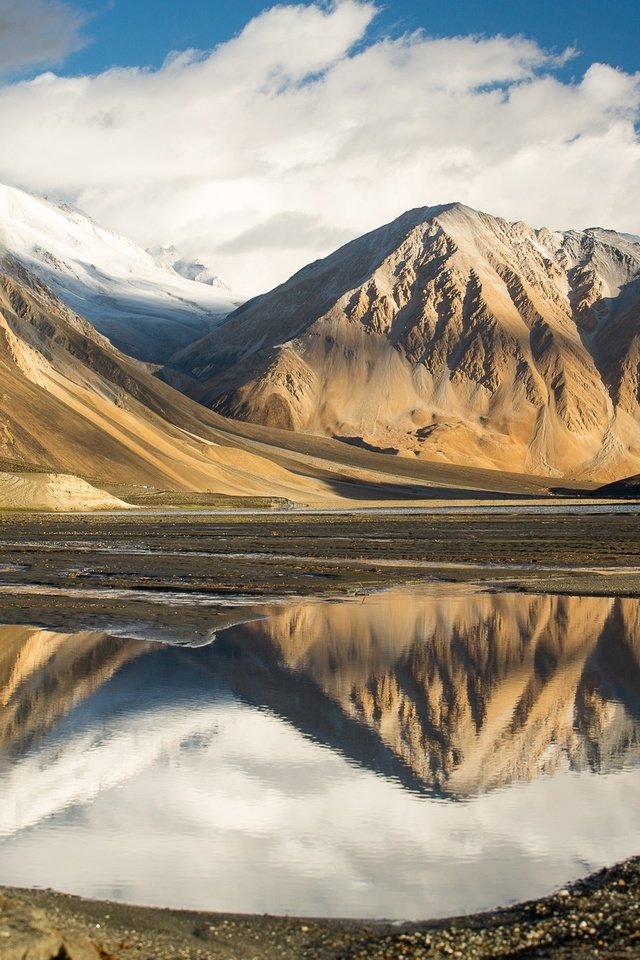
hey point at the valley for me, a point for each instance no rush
(448, 354)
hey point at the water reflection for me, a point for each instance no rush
(470, 692)
(412, 754)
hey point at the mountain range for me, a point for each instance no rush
(448, 348)
(447, 335)
(71, 403)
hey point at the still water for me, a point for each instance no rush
(413, 754)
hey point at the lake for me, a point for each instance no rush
(407, 754)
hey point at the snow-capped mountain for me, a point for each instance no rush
(145, 307)
(447, 335)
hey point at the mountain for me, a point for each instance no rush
(146, 305)
(70, 403)
(447, 335)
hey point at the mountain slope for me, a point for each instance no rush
(71, 403)
(446, 335)
(146, 307)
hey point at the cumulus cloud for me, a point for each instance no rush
(36, 32)
(304, 131)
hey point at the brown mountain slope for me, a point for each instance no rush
(71, 403)
(447, 335)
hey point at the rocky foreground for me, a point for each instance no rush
(596, 917)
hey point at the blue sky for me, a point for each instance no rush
(142, 32)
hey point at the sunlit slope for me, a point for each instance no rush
(448, 335)
(53, 492)
(71, 403)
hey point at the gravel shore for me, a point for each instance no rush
(596, 917)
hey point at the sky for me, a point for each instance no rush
(117, 31)
(258, 138)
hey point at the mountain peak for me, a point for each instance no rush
(447, 334)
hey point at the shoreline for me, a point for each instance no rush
(268, 556)
(434, 506)
(595, 916)
(220, 552)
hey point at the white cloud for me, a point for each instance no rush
(300, 133)
(36, 32)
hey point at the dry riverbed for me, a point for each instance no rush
(63, 571)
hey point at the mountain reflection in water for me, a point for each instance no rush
(306, 762)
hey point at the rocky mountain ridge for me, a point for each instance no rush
(70, 403)
(447, 335)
